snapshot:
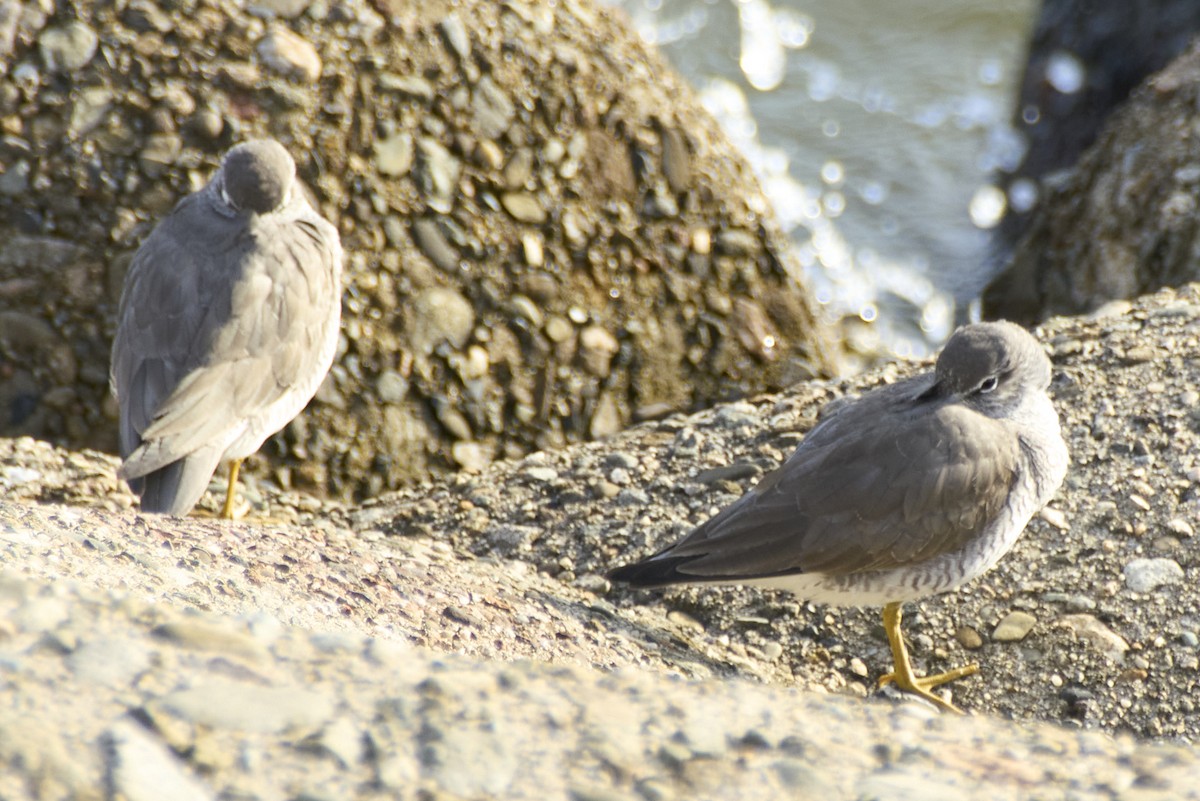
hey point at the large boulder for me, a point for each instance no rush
(547, 237)
(1085, 59)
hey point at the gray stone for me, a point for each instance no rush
(437, 174)
(523, 207)
(439, 314)
(541, 473)
(606, 419)
(632, 496)
(676, 160)
(14, 181)
(455, 32)
(1014, 627)
(40, 615)
(411, 85)
(112, 662)
(341, 739)
(492, 110)
(472, 457)
(204, 635)
(1095, 633)
(1180, 527)
(394, 155)
(433, 243)
(511, 539)
(290, 54)
(1145, 575)
(146, 15)
(391, 386)
(142, 768)
(10, 18)
(67, 48)
(161, 150)
(284, 9)
(223, 703)
(89, 109)
(735, 242)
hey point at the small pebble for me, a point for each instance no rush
(1014, 627)
(1180, 527)
(968, 638)
(290, 54)
(1055, 518)
(1145, 575)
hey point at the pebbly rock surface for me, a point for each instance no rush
(547, 237)
(457, 640)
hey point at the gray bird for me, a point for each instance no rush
(227, 325)
(911, 490)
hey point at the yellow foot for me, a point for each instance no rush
(921, 685)
(902, 673)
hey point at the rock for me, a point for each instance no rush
(10, 18)
(538, 473)
(737, 243)
(531, 246)
(429, 238)
(440, 314)
(456, 36)
(493, 111)
(69, 47)
(1013, 627)
(15, 180)
(523, 207)
(161, 150)
(1096, 634)
(290, 54)
(1085, 244)
(341, 739)
(90, 108)
(597, 347)
(391, 387)
(1180, 527)
(606, 420)
(206, 637)
(285, 9)
(458, 604)
(472, 457)
(394, 155)
(411, 85)
(109, 662)
(1147, 575)
(1059, 119)
(437, 173)
(222, 703)
(968, 638)
(141, 768)
(676, 161)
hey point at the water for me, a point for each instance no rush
(874, 126)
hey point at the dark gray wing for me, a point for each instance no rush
(218, 321)
(863, 492)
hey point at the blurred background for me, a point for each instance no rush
(876, 128)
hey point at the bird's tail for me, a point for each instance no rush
(654, 572)
(174, 489)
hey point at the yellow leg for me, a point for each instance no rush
(903, 675)
(227, 511)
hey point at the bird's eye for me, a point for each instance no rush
(989, 384)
